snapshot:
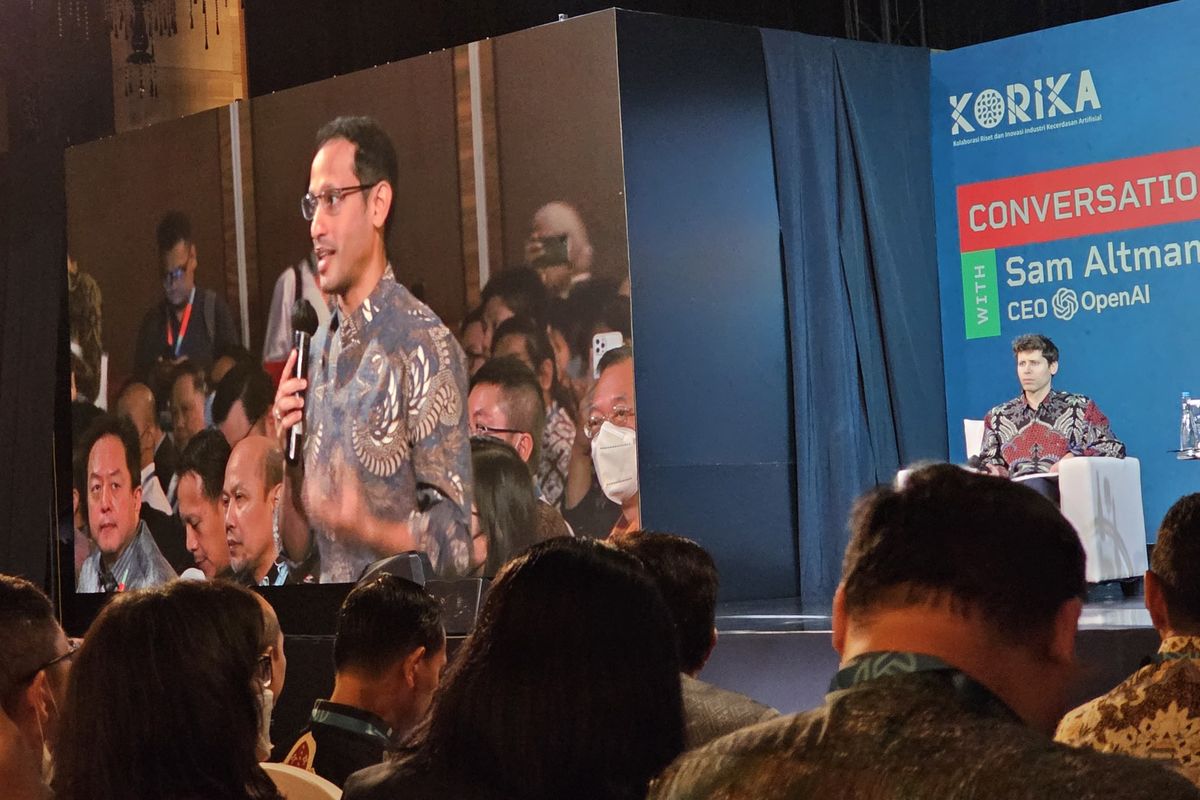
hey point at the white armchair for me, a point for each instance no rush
(298, 784)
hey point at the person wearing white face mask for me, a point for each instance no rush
(611, 426)
(35, 658)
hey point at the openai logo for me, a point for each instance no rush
(1065, 304)
(989, 108)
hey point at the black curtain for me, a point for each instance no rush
(850, 128)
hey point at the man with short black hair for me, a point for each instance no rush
(686, 577)
(35, 659)
(188, 400)
(388, 655)
(190, 323)
(1040, 428)
(515, 292)
(201, 479)
(955, 621)
(126, 556)
(524, 338)
(1155, 713)
(386, 449)
(242, 404)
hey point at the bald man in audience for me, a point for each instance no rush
(250, 497)
(158, 455)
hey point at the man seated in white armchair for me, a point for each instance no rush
(1037, 430)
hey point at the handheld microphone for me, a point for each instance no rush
(976, 463)
(192, 574)
(304, 325)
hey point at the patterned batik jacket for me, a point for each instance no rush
(1027, 441)
(386, 424)
(907, 737)
(1154, 713)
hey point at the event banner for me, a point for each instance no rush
(1067, 188)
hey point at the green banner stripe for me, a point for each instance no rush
(981, 303)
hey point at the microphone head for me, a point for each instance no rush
(304, 317)
(192, 574)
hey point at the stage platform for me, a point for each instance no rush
(779, 652)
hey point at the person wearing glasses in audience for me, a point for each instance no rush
(386, 465)
(610, 433)
(35, 659)
(190, 323)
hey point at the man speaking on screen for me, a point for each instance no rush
(387, 456)
(1037, 430)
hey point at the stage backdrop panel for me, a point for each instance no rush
(1068, 203)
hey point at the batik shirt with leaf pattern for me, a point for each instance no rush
(386, 417)
(1026, 440)
(1154, 713)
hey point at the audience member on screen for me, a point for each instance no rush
(955, 621)
(126, 555)
(84, 323)
(514, 292)
(201, 480)
(559, 218)
(165, 699)
(1040, 428)
(242, 403)
(388, 655)
(687, 578)
(567, 687)
(1155, 713)
(157, 452)
(386, 449)
(190, 323)
(506, 515)
(35, 659)
(610, 431)
(525, 339)
(471, 337)
(225, 359)
(250, 497)
(188, 401)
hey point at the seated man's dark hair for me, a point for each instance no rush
(687, 578)
(374, 154)
(1176, 563)
(27, 633)
(246, 382)
(195, 373)
(382, 621)
(206, 455)
(1036, 341)
(522, 396)
(618, 355)
(521, 290)
(120, 427)
(538, 350)
(173, 228)
(983, 545)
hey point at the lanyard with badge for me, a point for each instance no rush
(173, 342)
(326, 716)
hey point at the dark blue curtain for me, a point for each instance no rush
(850, 128)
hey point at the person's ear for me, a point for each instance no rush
(546, 374)
(274, 496)
(1054, 368)
(137, 493)
(1061, 647)
(1156, 603)
(525, 446)
(191, 256)
(381, 203)
(839, 619)
(410, 668)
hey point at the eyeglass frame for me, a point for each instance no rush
(173, 276)
(73, 645)
(263, 669)
(590, 431)
(332, 197)
(479, 429)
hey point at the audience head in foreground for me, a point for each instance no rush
(35, 660)
(955, 622)
(388, 656)
(1155, 713)
(686, 576)
(568, 687)
(164, 700)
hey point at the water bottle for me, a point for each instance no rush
(1187, 442)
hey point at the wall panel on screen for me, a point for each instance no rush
(1065, 170)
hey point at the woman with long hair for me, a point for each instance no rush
(164, 699)
(504, 520)
(567, 688)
